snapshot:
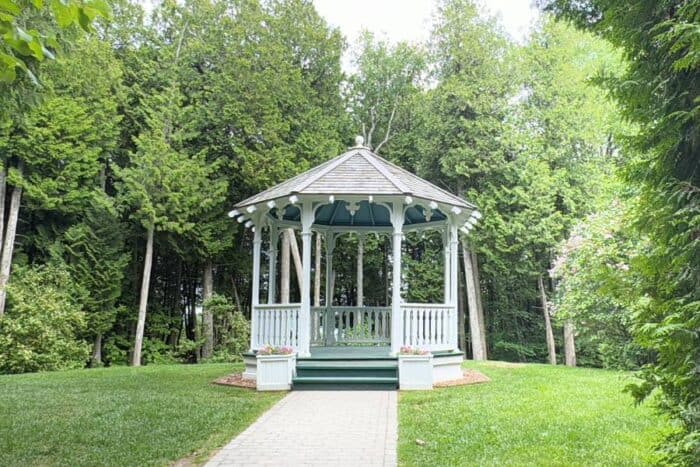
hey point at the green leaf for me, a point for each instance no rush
(84, 20)
(8, 67)
(66, 14)
(10, 6)
(101, 7)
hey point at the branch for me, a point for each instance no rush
(373, 119)
(388, 128)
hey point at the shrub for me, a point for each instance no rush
(231, 329)
(40, 330)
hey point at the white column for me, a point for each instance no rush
(255, 295)
(329, 318)
(447, 266)
(360, 270)
(397, 217)
(453, 283)
(307, 219)
(272, 266)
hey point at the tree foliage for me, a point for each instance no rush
(660, 92)
(44, 322)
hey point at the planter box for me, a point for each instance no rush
(275, 372)
(415, 372)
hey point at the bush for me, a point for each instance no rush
(40, 330)
(231, 329)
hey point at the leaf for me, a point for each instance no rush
(65, 14)
(10, 6)
(102, 7)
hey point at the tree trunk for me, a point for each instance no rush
(3, 188)
(479, 306)
(474, 326)
(143, 302)
(284, 269)
(360, 272)
(96, 360)
(295, 256)
(317, 274)
(551, 349)
(569, 343)
(207, 317)
(9, 240)
(461, 317)
(236, 296)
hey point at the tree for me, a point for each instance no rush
(93, 252)
(54, 163)
(595, 286)
(383, 86)
(165, 187)
(30, 32)
(659, 91)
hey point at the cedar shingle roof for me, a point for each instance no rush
(357, 172)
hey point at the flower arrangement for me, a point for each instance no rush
(271, 350)
(408, 350)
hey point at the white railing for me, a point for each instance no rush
(350, 325)
(276, 325)
(429, 326)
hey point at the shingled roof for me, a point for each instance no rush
(358, 171)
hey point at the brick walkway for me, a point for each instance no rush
(319, 428)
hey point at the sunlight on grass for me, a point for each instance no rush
(122, 416)
(529, 415)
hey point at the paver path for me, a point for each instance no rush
(319, 428)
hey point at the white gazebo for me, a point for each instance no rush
(356, 192)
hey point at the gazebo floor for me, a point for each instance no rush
(350, 353)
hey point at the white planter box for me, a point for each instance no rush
(275, 372)
(415, 372)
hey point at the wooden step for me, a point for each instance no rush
(344, 382)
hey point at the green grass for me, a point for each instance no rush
(529, 415)
(122, 416)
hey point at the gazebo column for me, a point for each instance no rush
(307, 219)
(272, 266)
(447, 264)
(255, 299)
(397, 219)
(329, 318)
(360, 277)
(453, 282)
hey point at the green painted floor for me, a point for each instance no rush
(339, 352)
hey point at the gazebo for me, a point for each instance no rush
(355, 192)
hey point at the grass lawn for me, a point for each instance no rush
(529, 415)
(122, 416)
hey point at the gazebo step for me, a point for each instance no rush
(344, 382)
(349, 370)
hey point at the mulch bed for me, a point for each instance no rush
(468, 377)
(236, 380)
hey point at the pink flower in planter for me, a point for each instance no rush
(271, 350)
(408, 350)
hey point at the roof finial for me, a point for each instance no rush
(359, 141)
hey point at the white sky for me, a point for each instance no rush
(409, 20)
